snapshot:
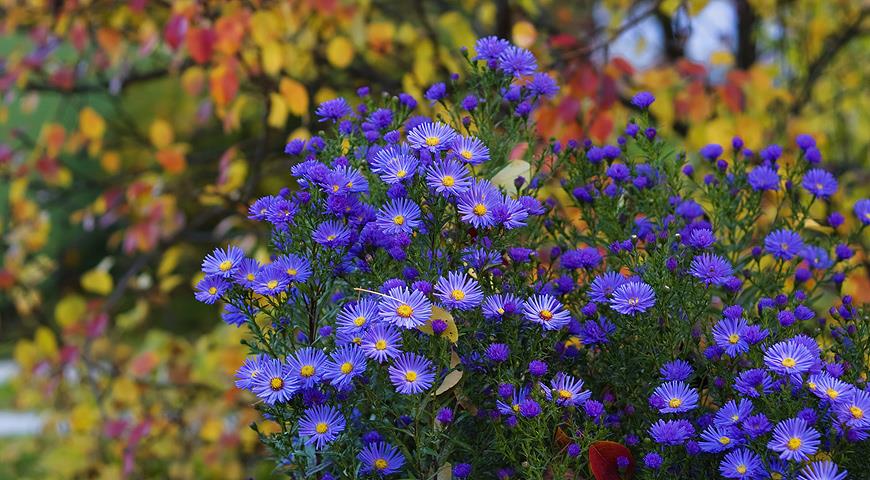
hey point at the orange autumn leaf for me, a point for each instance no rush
(200, 44)
(172, 160)
(224, 83)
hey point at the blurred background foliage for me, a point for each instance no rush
(134, 134)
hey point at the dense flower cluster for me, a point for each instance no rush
(423, 311)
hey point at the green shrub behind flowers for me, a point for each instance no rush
(454, 296)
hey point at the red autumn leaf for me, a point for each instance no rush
(602, 461)
(563, 40)
(623, 66)
(175, 30)
(602, 125)
(200, 44)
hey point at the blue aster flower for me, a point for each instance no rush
(756, 425)
(401, 168)
(671, 432)
(355, 181)
(676, 370)
(831, 389)
(405, 308)
(333, 110)
(855, 412)
(281, 213)
(862, 211)
(517, 398)
(210, 289)
(817, 257)
(271, 280)
(711, 268)
(393, 154)
(789, 358)
(347, 363)
(489, 48)
(448, 177)
(381, 459)
(633, 297)
(730, 334)
(298, 269)
(822, 470)
(715, 439)
(233, 315)
(742, 464)
(399, 216)
(497, 307)
(602, 287)
(546, 311)
(794, 440)
(274, 382)
(733, 412)
(820, 183)
(676, 397)
(470, 150)
(565, 390)
(517, 61)
(754, 383)
(332, 234)
(543, 85)
(321, 424)
(308, 366)
(643, 100)
(510, 213)
(356, 317)
(783, 244)
(381, 343)
(763, 178)
(246, 274)
(476, 205)
(223, 263)
(411, 374)
(458, 290)
(261, 207)
(597, 331)
(430, 136)
(247, 373)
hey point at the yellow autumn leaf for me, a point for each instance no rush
(722, 58)
(524, 34)
(272, 58)
(91, 124)
(83, 417)
(452, 378)
(46, 344)
(134, 317)
(161, 134)
(110, 161)
(277, 111)
(211, 430)
(438, 313)
(506, 176)
(295, 96)
(69, 310)
(169, 260)
(339, 52)
(97, 281)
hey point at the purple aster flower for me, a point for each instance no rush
(346, 363)
(633, 297)
(489, 48)
(295, 267)
(398, 169)
(448, 177)
(530, 408)
(671, 432)
(742, 464)
(333, 110)
(294, 147)
(399, 216)
(516, 397)
(794, 440)
(274, 382)
(431, 136)
(733, 412)
(498, 352)
(232, 315)
(653, 460)
(822, 470)
(381, 343)
(676, 397)
(510, 213)
(356, 317)
(855, 412)
(712, 269)
(271, 280)
(517, 61)
(715, 439)
(247, 272)
(754, 383)
(820, 183)
(789, 358)
(496, 307)
(756, 425)
(543, 85)
(260, 208)
(643, 100)
(411, 374)
(862, 211)
(597, 331)
(566, 390)
(701, 238)
(730, 334)
(817, 257)
(470, 102)
(602, 287)
(587, 258)
(470, 150)
(308, 366)
(676, 370)
(711, 151)
(461, 470)
(381, 459)
(783, 244)
(763, 178)
(618, 172)
(689, 209)
(247, 373)
(223, 263)
(405, 308)
(546, 311)
(537, 368)
(458, 290)
(332, 234)
(436, 92)
(832, 389)
(210, 289)
(475, 205)
(321, 424)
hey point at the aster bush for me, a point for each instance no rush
(450, 295)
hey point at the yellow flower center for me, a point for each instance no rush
(457, 294)
(818, 186)
(565, 394)
(321, 427)
(212, 291)
(250, 277)
(292, 271)
(335, 188)
(675, 403)
(788, 362)
(783, 246)
(410, 375)
(480, 209)
(330, 237)
(466, 154)
(276, 383)
(832, 394)
(349, 184)
(381, 345)
(741, 469)
(357, 340)
(359, 321)
(545, 315)
(432, 141)
(226, 265)
(346, 367)
(271, 284)
(811, 385)
(399, 219)
(447, 181)
(401, 173)
(307, 371)
(857, 412)
(405, 310)
(794, 443)
(724, 440)
(500, 311)
(733, 338)
(515, 407)
(381, 464)
(633, 301)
